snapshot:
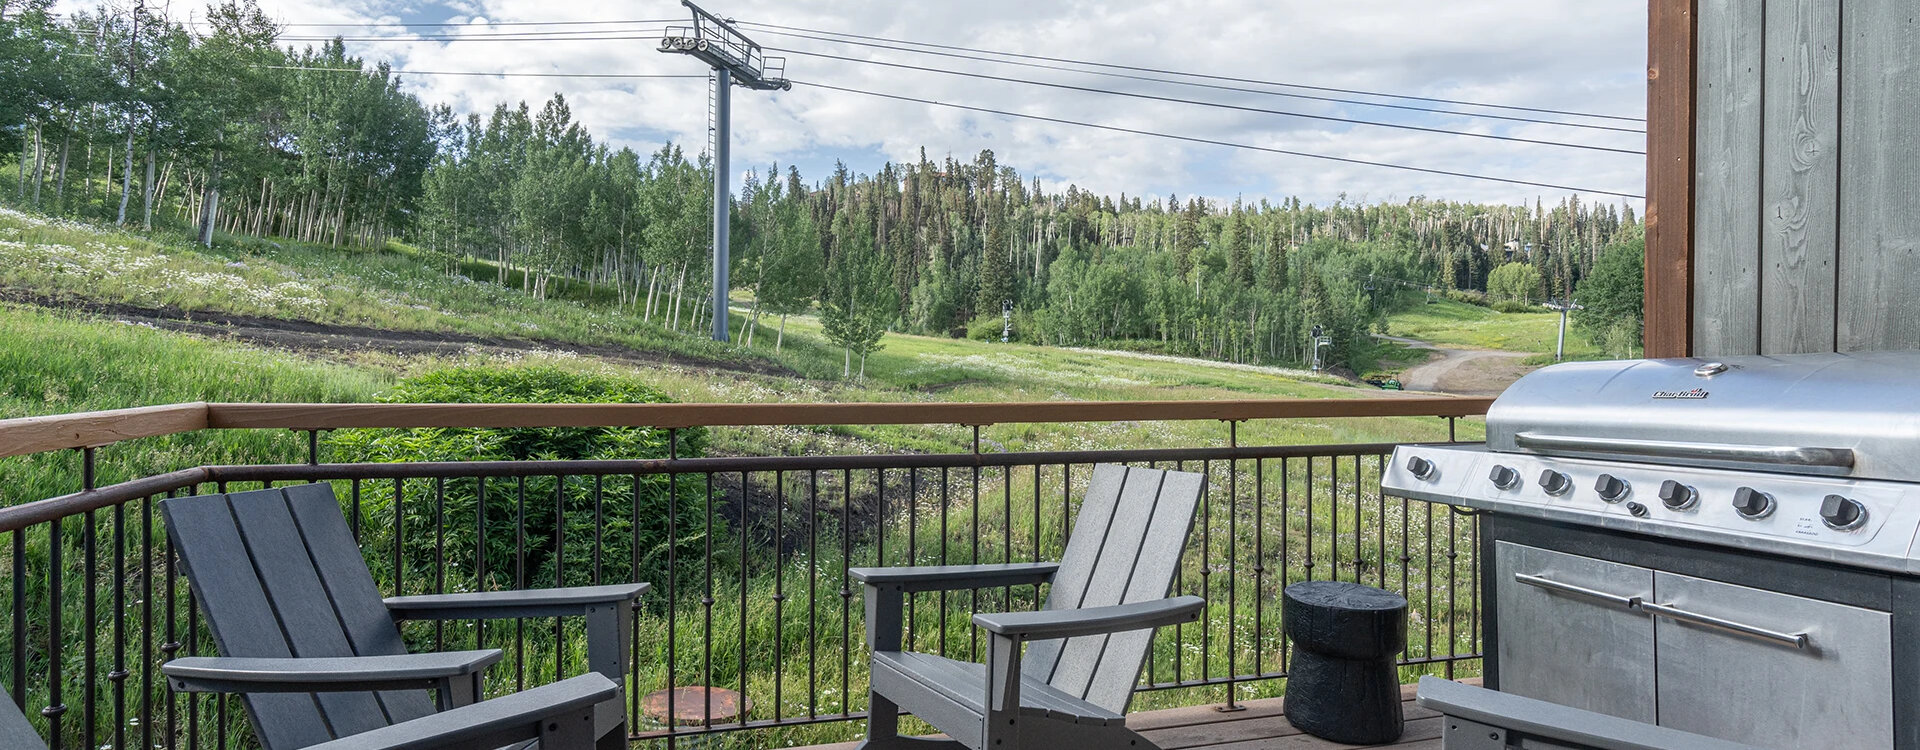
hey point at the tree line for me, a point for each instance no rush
(125, 114)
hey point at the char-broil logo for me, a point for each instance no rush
(1697, 393)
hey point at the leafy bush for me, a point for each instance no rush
(987, 328)
(538, 532)
(1510, 306)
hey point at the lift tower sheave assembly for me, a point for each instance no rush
(736, 61)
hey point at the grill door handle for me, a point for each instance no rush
(1782, 455)
(1628, 602)
(1796, 640)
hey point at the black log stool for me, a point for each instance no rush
(1344, 685)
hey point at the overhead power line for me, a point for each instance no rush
(1164, 71)
(517, 36)
(1042, 118)
(1214, 86)
(1216, 142)
(407, 25)
(487, 74)
(1217, 105)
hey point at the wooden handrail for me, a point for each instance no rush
(96, 428)
(61, 432)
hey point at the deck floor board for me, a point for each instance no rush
(1262, 726)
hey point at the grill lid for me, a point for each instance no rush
(1854, 415)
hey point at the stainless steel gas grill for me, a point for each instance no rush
(1725, 547)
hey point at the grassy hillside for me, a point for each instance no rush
(1449, 323)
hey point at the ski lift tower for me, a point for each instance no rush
(736, 61)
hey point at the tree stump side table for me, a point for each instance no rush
(1343, 685)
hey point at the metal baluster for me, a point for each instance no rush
(1259, 564)
(520, 581)
(1427, 612)
(172, 644)
(745, 492)
(559, 567)
(19, 585)
(973, 516)
(945, 506)
(479, 554)
(846, 591)
(1206, 570)
(779, 592)
(1036, 532)
(440, 551)
(673, 582)
(1006, 531)
(56, 655)
(599, 525)
(1333, 523)
(1286, 546)
(1359, 516)
(913, 545)
(1453, 621)
(118, 677)
(633, 646)
(813, 592)
(146, 624)
(1233, 553)
(706, 608)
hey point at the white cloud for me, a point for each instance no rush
(1554, 54)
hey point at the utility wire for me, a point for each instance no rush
(1218, 105)
(1214, 142)
(484, 73)
(1216, 86)
(520, 36)
(1195, 75)
(488, 23)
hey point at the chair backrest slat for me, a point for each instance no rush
(239, 616)
(1126, 544)
(1076, 561)
(15, 732)
(1166, 542)
(292, 585)
(269, 570)
(364, 620)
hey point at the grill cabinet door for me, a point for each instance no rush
(1568, 635)
(1836, 691)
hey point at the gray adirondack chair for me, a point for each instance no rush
(1083, 652)
(305, 637)
(556, 717)
(1482, 719)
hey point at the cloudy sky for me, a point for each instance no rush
(1576, 55)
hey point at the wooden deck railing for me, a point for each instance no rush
(94, 429)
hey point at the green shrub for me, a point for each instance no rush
(1510, 306)
(988, 328)
(572, 534)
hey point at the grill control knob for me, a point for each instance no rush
(1842, 513)
(1677, 496)
(1638, 510)
(1611, 488)
(1555, 483)
(1752, 504)
(1421, 468)
(1504, 477)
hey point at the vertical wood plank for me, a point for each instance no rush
(1726, 250)
(1670, 176)
(1800, 167)
(1879, 294)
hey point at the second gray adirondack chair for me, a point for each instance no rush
(1083, 652)
(305, 637)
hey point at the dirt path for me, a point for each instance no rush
(1470, 372)
(309, 336)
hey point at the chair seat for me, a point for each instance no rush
(965, 683)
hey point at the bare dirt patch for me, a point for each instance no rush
(311, 336)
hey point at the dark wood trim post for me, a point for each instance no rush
(1671, 55)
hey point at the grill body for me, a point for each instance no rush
(1727, 548)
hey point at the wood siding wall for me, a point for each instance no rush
(1807, 176)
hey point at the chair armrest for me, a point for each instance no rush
(499, 605)
(494, 723)
(1067, 623)
(1556, 723)
(228, 674)
(949, 577)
